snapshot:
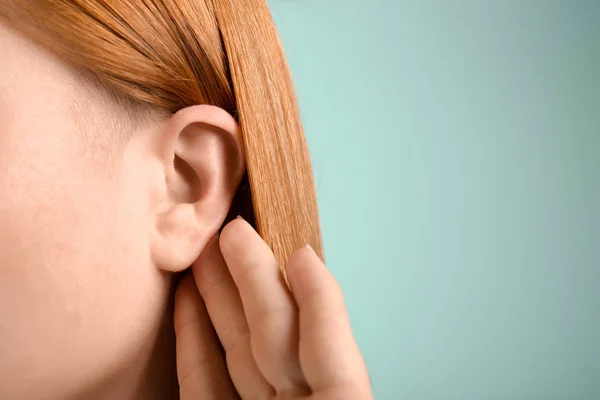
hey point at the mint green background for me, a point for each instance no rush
(456, 147)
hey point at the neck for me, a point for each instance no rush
(153, 374)
(159, 379)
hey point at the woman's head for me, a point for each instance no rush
(129, 133)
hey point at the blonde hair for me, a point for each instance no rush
(172, 54)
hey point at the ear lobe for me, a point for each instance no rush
(201, 151)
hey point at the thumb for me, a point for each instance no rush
(201, 368)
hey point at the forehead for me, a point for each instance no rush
(33, 82)
(27, 66)
(33, 77)
(43, 97)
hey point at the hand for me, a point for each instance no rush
(267, 342)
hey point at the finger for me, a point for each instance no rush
(268, 305)
(201, 367)
(227, 315)
(329, 355)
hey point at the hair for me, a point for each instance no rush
(168, 55)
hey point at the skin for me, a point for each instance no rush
(279, 342)
(98, 210)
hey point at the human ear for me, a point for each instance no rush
(201, 151)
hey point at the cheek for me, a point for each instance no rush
(54, 205)
(73, 251)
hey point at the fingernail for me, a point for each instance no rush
(239, 217)
(309, 246)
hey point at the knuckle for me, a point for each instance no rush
(233, 336)
(182, 328)
(271, 317)
(208, 284)
(198, 369)
(326, 324)
(245, 277)
(326, 292)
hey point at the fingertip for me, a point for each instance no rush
(315, 253)
(232, 231)
(305, 257)
(187, 301)
(239, 241)
(208, 262)
(305, 270)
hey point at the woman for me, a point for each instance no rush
(131, 133)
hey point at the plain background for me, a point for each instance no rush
(456, 147)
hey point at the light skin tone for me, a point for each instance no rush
(279, 342)
(98, 211)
